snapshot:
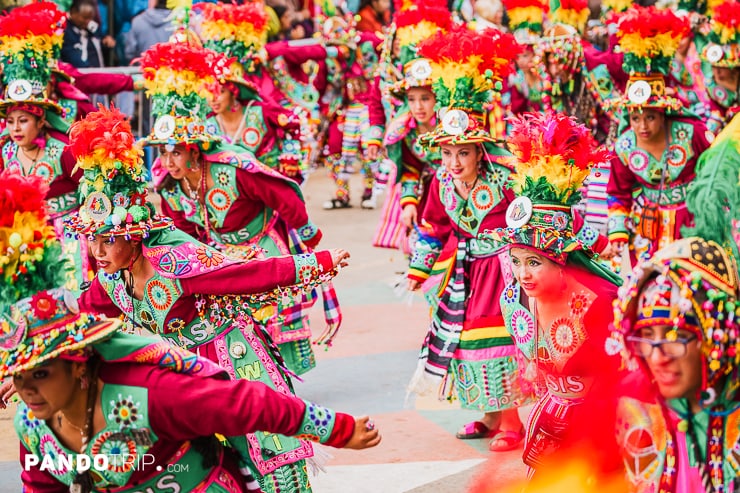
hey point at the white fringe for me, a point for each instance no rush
(320, 459)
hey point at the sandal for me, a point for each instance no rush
(337, 204)
(475, 429)
(511, 439)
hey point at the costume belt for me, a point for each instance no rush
(670, 195)
(478, 248)
(62, 204)
(249, 234)
(184, 471)
(204, 329)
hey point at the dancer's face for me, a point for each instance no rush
(556, 68)
(525, 60)
(536, 274)
(49, 387)
(179, 160)
(421, 103)
(23, 127)
(223, 102)
(114, 254)
(461, 161)
(675, 377)
(727, 77)
(648, 124)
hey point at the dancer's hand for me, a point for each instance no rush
(366, 435)
(414, 285)
(7, 390)
(339, 257)
(613, 249)
(409, 215)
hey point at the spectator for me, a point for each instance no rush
(150, 27)
(82, 44)
(374, 15)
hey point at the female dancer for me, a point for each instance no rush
(165, 281)
(676, 323)
(150, 409)
(467, 340)
(557, 308)
(34, 142)
(221, 195)
(657, 155)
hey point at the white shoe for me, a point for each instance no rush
(369, 203)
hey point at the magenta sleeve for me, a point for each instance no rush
(277, 193)
(36, 481)
(96, 300)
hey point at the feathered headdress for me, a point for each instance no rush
(552, 155)
(723, 49)
(238, 31)
(113, 187)
(30, 43)
(570, 12)
(36, 321)
(467, 68)
(526, 18)
(414, 25)
(180, 78)
(649, 38)
(692, 285)
(611, 7)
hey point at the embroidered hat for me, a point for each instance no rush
(30, 43)
(467, 69)
(113, 188)
(180, 78)
(526, 18)
(692, 284)
(413, 25)
(552, 155)
(572, 13)
(238, 32)
(723, 48)
(38, 319)
(649, 38)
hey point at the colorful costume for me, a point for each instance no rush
(721, 48)
(690, 286)
(243, 208)
(653, 216)
(416, 165)
(34, 34)
(198, 298)
(525, 21)
(267, 129)
(565, 362)
(148, 390)
(467, 340)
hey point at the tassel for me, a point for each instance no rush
(320, 459)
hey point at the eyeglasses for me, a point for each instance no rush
(670, 349)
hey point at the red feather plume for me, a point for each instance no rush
(496, 49)
(106, 128)
(438, 16)
(649, 22)
(20, 194)
(727, 14)
(33, 19)
(184, 56)
(247, 13)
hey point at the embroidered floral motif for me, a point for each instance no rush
(125, 411)
(523, 326)
(578, 304)
(317, 423)
(159, 295)
(120, 449)
(29, 420)
(208, 257)
(48, 447)
(43, 305)
(122, 298)
(222, 177)
(564, 337)
(175, 325)
(218, 199)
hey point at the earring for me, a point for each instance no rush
(84, 382)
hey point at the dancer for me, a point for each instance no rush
(655, 159)
(416, 165)
(219, 194)
(89, 389)
(557, 308)
(467, 341)
(168, 283)
(35, 139)
(676, 325)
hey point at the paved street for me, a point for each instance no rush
(366, 372)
